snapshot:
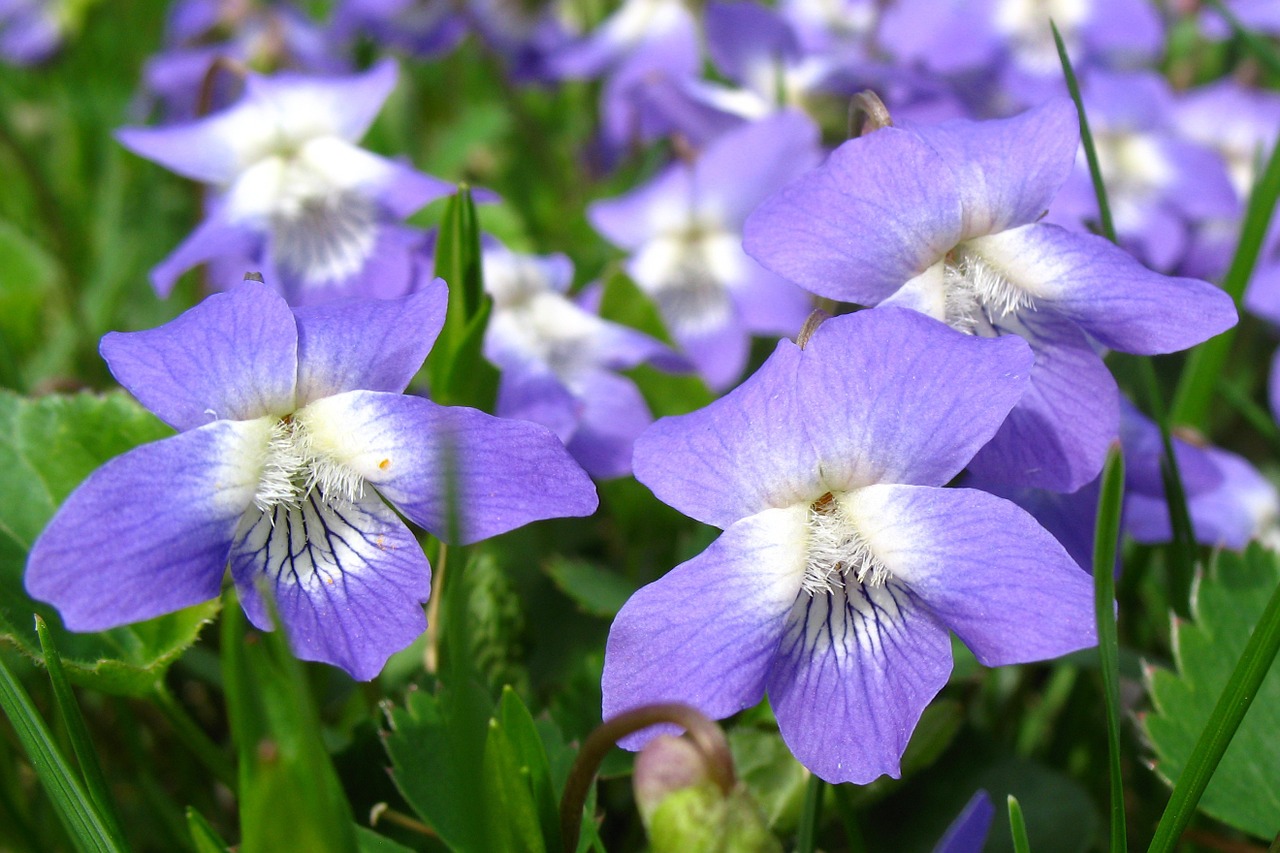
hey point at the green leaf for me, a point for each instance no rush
(86, 827)
(47, 447)
(203, 836)
(772, 775)
(28, 295)
(1237, 606)
(81, 744)
(372, 842)
(514, 816)
(530, 752)
(1106, 540)
(595, 589)
(1018, 827)
(290, 796)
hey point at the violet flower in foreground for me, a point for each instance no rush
(292, 432)
(317, 213)
(843, 564)
(944, 219)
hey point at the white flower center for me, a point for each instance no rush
(294, 465)
(688, 274)
(978, 296)
(837, 552)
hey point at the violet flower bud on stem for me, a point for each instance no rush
(704, 734)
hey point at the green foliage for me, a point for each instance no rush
(47, 447)
(1245, 790)
(593, 588)
(290, 796)
(701, 819)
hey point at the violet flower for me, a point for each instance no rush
(30, 30)
(843, 564)
(944, 219)
(684, 232)
(558, 361)
(317, 213)
(294, 443)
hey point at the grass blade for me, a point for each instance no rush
(1204, 369)
(1237, 696)
(1106, 537)
(81, 744)
(807, 840)
(1018, 827)
(1183, 550)
(87, 830)
(1259, 47)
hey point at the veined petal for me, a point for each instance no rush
(983, 566)
(366, 344)
(148, 532)
(865, 402)
(855, 669)
(504, 473)
(881, 210)
(1007, 171)
(232, 357)
(1057, 436)
(1104, 290)
(348, 578)
(705, 634)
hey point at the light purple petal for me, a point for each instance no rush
(768, 303)
(366, 344)
(632, 219)
(864, 403)
(1057, 435)
(1007, 171)
(203, 150)
(232, 357)
(148, 532)
(345, 106)
(348, 579)
(506, 473)
(852, 676)
(214, 238)
(983, 566)
(613, 416)
(882, 209)
(531, 394)
(706, 633)
(741, 37)
(1105, 291)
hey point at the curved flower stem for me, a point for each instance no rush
(704, 734)
(867, 114)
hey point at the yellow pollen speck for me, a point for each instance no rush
(384, 464)
(381, 543)
(329, 581)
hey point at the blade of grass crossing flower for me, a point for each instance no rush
(1237, 696)
(75, 811)
(1182, 552)
(1086, 139)
(1018, 827)
(290, 796)
(1202, 375)
(811, 813)
(81, 744)
(203, 837)
(1106, 537)
(1262, 51)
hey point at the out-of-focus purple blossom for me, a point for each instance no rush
(30, 30)
(945, 219)
(525, 35)
(843, 564)
(1262, 16)
(559, 361)
(261, 37)
(1159, 183)
(968, 832)
(294, 443)
(1242, 125)
(1011, 44)
(424, 28)
(316, 214)
(684, 232)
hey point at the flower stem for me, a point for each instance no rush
(807, 840)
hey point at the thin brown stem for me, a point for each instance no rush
(704, 734)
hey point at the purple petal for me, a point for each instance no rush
(1110, 295)
(744, 166)
(1007, 171)
(614, 414)
(531, 394)
(148, 532)
(366, 344)
(1057, 435)
(743, 37)
(864, 403)
(233, 356)
(348, 578)
(983, 566)
(504, 473)
(215, 238)
(968, 832)
(705, 634)
(852, 676)
(308, 105)
(882, 209)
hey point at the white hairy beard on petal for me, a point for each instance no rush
(303, 455)
(838, 556)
